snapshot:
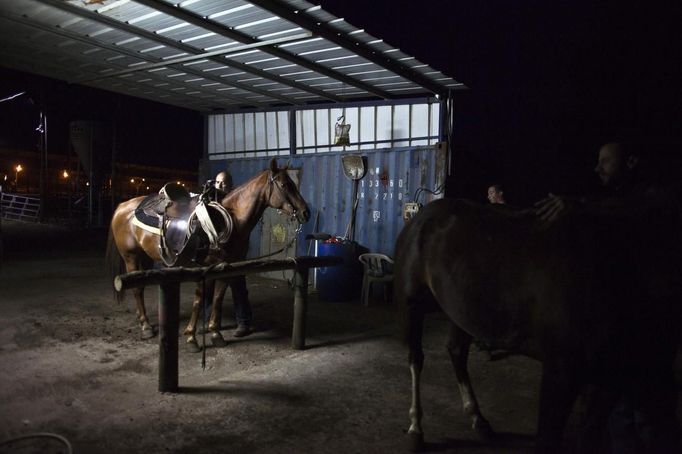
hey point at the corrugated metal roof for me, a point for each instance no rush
(210, 54)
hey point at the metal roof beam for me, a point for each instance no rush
(220, 29)
(75, 37)
(327, 32)
(101, 18)
(120, 49)
(206, 55)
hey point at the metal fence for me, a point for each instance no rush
(19, 207)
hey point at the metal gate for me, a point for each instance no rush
(19, 207)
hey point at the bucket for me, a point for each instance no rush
(342, 282)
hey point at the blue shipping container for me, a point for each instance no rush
(393, 177)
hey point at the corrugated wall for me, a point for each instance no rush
(392, 178)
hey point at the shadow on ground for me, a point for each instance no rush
(73, 364)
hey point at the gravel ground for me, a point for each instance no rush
(72, 364)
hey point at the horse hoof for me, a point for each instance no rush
(483, 429)
(217, 340)
(416, 441)
(192, 346)
(147, 333)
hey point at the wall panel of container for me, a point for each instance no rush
(254, 134)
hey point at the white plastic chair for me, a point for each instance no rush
(378, 268)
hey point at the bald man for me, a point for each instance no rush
(634, 225)
(615, 167)
(241, 306)
(221, 182)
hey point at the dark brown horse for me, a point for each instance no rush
(139, 248)
(561, 294)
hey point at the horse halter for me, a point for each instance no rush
(284, 194)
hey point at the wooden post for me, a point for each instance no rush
(300, 308)
(169, 322)
(169, 279)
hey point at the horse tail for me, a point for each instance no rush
(406, 287)
(114, 265)
(412, 295)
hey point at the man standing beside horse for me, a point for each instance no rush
(636, 222)
(240, 294)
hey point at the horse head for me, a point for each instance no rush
(284, 194)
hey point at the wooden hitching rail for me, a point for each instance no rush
(169, 279)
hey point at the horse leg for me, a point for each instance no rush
(458, 347)
(190, 331)
(415, 329)
(217, 339)
(131, 264)
(147, 330)
(599, 402)
(558, 391)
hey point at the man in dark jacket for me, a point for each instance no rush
(640, 271)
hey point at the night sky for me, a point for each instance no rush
(550, 81)
(147, 132)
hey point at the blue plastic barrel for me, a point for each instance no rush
(342, 282)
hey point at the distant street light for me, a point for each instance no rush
(17, 169)
(65, 174)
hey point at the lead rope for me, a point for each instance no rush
(286, 246)
(271, 180)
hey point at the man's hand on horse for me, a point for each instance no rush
(552, 207)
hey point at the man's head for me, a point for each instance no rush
(496, 194)
(221, 181)
(615, 165)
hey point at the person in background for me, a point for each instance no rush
(496, 194)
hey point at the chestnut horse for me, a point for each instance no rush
(138, 249)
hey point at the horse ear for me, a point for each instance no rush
(273, 165)
(286, 166)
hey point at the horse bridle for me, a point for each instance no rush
(271, 179)
(284, 195)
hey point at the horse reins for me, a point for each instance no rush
(271, 180)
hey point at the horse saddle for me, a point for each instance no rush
(188, 226)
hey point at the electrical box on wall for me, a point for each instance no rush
(410, 209)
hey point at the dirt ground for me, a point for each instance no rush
(72, 363)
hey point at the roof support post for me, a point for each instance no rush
(292, 131)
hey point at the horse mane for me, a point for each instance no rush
(236, 191)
